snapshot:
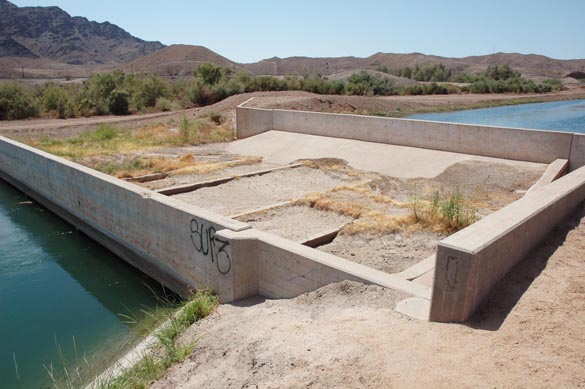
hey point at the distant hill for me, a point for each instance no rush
(47, 42)
(177, 60)
(50, 32)
(527, 64)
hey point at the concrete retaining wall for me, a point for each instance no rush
(577, 158)
(171, 241)
(287, 269)
(498, 142)
(470, 262)
(252, 121)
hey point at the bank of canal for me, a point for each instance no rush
(64, 299)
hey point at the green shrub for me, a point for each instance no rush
(163, 104)
(209, 73)
(554, 83)
(118, 102)
(366, 84)
(453, 209)
(16, 102)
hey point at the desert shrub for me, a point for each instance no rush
(453, 210)
(430, 72)
(163, 104)
(209, 73)
(56, 99)
(119, 102)
(16, 102)
(199, 93)
(501, 72)
(216, 117)
(414, 90)
(435, 89)
(554, 83)
(364, 84)
(149, 90)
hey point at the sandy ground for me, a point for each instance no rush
(248, 194)
(296, 223)
(391, 253)
(529, 333)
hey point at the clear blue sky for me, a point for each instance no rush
(251, 30)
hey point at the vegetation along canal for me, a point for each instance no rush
(558, 116)
(65, 301)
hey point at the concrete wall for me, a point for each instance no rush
(577, 157)
(171, 241)
(519, 144)
(286, 269)
(252, 121)
(471, 261)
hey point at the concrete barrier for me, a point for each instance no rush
(252, 121)
(497, 142)
(471, 261)
(577, 157)
(287, 269)
(171, 241)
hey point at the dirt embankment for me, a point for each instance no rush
(529, 333)
(394, 106)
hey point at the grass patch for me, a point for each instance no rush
(108, 139)
(446, 212)
(169, 350)
(186, 164)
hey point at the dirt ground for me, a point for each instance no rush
(296, 223)
(248, 194)
(390, 253)
(529, 333)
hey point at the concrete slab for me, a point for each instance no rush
(415, 307)
(396, 161)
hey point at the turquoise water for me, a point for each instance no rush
(559, 116)
(59, 290)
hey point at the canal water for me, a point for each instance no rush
(558, 116)
(65, 301)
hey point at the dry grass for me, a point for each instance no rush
(109, 140)
(445, 213)
(210, 167)
(136, 166)
(325, 202)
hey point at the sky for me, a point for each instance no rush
(250, 30)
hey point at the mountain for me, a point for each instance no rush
(177, 60)
(50, 32)
(528, 64)
(48, 42)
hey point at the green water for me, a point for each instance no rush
(61, 296)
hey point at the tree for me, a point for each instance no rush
(209, 73)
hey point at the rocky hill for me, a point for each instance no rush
(529, 65)
(38, 42)
(178, 60)
(50, 32)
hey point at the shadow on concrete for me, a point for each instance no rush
(249, 302)
(508, 291)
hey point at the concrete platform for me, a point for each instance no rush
(397, 161)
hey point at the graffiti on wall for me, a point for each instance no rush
(209, 245)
